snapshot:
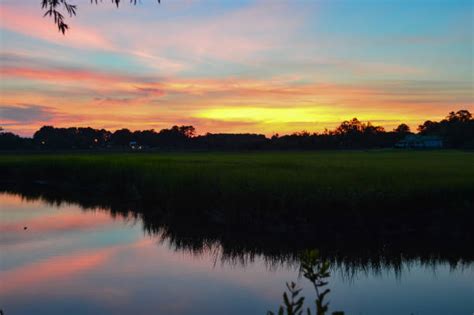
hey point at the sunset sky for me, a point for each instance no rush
(236, 66)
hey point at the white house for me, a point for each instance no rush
(420, 142)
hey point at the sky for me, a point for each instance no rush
(265, 66)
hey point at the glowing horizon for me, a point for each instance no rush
(248, 66)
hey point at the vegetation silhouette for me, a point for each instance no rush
(347, 251)
(317, 272)
(383, 194)
(11, 141)
(456, 131)
(53, 8)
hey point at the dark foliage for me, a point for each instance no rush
(457, 131)
(346, 249)
(56, 9)
(352, 134)
(173, 137)
(403, 129)
(316, 270)
(10, 141)
(49, 137)
(224, 141)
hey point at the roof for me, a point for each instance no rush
(422, 138)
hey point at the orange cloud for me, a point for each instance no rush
(280, 104)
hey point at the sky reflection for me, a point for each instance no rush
(103, 265)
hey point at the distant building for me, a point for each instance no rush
(420, 142)
(135, 146)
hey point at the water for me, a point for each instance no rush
(74, 261)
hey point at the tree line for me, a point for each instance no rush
(456, 131)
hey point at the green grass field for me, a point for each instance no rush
(264, 184)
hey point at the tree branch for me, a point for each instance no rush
(53, 9)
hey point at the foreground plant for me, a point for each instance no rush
(316, 271)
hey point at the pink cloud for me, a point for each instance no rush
(236, 36)
(24, 20)
(62, 267)
(59, 75)
(59, 222)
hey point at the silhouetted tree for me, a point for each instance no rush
(402, 129)
(49, 137)
(223, 141)
(462, 116)
(353, 126)
(187, 131)
(53, 8)
(176, 136)
(11, 141)
(457, 129)
(356, 134)
(121, 137)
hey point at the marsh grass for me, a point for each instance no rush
(278, 188)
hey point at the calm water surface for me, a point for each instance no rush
(72, 261)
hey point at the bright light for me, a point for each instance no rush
(264, 114)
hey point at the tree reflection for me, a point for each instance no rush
(347, 252)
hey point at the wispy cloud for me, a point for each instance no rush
(25, 113)
(26, 19)
(259, 66)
